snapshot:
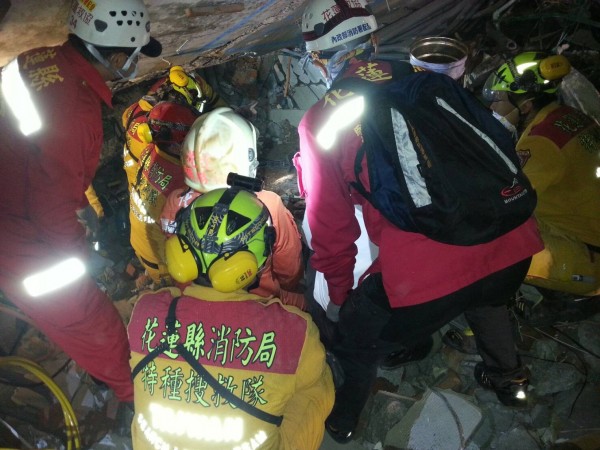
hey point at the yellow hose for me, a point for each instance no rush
(72, 428)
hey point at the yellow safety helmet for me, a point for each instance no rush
(225, 236)
(182, 87)
(529, 72)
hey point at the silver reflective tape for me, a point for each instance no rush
(407, 154)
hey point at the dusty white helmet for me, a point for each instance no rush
(330, 23)
(218, 143)
(113, 23)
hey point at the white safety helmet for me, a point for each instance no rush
(218, 143)
(113, 23)
(330, 23)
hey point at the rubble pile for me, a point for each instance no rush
(433, 403)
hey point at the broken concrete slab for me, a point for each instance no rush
(441, 419)
(550, 377)
(304, 97)
(588, 334)
(285, 66)
(518, 438)
(386, 410)
(293, 116)
(318, 89)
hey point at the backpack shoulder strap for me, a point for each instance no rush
(205, 374)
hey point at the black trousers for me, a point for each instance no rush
(369, 329)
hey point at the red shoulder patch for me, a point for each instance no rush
(240, 335)
(561, 125)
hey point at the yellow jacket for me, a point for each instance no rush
(265, 353)
(560, 153)
(157, 175)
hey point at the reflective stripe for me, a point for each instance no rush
(481, 134)
(55, 277)
(342, 117)
(407, 155)
(19, 100)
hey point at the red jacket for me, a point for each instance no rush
(43, 179)
(415, 269)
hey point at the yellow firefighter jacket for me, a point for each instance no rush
(265, 353)
(560, 153)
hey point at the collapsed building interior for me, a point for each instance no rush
(251, 54)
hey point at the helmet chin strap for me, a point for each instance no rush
(118, 72)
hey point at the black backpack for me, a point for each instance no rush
(439, 163)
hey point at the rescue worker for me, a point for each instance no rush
(223, 142)
(426, 54)
(215, 366)
(50, 144)
(416, 285)
(180, 87)
(559, 147)
(158, 173)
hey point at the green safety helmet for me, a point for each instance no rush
(224, 235)
(526, 73)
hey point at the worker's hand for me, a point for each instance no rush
(333, 312)
(90, 221)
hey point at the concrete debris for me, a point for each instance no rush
(113, 441)
(431, 404)
(293, 116)
(587, 335)
(551, 377)
(517, 438)
(386, 410)
(441, 419)
(304, 97)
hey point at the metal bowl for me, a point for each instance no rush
(440, 54)
(438, 50)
